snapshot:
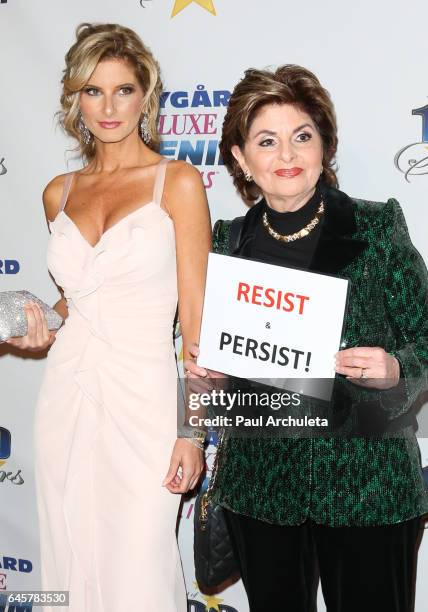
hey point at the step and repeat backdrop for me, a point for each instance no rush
(371, 56)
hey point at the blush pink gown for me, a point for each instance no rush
(106, 420)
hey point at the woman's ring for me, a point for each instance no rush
(363, 373)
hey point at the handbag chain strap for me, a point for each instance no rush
(205, 500)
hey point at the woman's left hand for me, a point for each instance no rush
(186, 466)
(368, 366)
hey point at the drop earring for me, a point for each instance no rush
(86, 134)
(144, 129)
(248, 176)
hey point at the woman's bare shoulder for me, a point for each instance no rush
(52, 196)
(184, 172)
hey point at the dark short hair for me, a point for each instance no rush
(289, 84)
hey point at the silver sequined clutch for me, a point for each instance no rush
(13, 321)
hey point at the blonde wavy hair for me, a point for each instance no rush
(96, 42)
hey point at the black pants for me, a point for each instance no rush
(362, 569)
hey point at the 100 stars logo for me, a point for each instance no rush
(412, 159)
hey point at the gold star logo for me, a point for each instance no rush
(212, 602)
(179, 5)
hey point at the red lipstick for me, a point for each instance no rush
(288, 172)
(109, 125)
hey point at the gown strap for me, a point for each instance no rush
(67, 185)
(159, 181)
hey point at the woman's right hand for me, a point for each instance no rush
(38, 336)
(192, 370)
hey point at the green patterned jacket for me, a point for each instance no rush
(355, 481)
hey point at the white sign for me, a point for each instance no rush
(270, 323)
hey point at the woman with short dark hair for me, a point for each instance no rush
(351, 504)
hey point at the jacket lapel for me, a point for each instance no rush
(337, 246)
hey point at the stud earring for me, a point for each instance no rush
(144, 129)
(86, 134)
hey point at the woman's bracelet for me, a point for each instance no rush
(198, 438)
(195, 443)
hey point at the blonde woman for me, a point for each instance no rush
(130, 235)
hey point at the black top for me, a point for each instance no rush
(297, 254)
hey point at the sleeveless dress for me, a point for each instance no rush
(106, 421)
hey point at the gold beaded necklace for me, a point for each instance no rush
(297, 235)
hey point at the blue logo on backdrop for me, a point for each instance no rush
(16, 565)
(412, 159)
(5, 450)
(190, 126)
(9, 266)
(5, 444)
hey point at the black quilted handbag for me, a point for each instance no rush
(214, 557)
